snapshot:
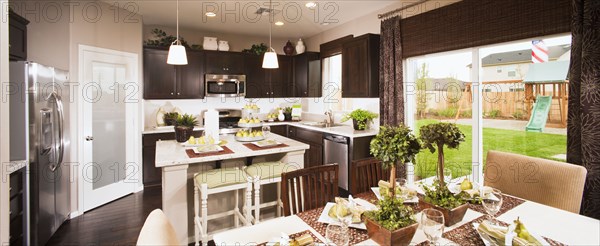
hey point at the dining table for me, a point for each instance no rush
(556, 226)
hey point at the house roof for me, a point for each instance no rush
(521, 56)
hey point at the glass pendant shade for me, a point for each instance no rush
(177, 55)
(270, 60)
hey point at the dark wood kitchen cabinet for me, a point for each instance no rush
(222, 62)
(152, 174)
(360, 67)
(314, 155)
(268, 83)
(307, 75)
(281, 78)
(17, 30)
(164, 81)
(279, 130)
(17, 214)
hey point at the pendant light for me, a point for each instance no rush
(177, 55)
(270, 59)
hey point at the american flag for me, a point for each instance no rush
(539, 51)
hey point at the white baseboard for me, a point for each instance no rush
(74, 214)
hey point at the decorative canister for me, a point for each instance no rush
(210, 43)
(288, 49)
(300, 48)
(280, 116)
(223, 45)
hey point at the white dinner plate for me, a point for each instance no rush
(324, 218)
(266, 143)
(489, 242)
(375, 190)
(208, 149)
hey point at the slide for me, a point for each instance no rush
(539, 114)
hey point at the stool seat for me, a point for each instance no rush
(267, 170)
(221, 177)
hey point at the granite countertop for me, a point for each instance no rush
(345, 130)
(171, 153)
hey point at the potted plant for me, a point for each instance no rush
(287, 113)
(394, 145)
(170, 118)
(360, 118)
(436, 136)
(392, 224)
(184, 127)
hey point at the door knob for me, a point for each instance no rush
(89, 138)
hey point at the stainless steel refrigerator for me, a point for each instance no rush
(45, 97)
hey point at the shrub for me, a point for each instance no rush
(447, 112)
(495, 113)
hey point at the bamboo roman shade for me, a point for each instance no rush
(472, 23)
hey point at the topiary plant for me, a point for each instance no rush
(392, 214)
(435, 136)
(394, 145)
(186, 120)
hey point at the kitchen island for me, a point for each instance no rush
(178, 169)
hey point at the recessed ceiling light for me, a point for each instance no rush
(211, 14)
(279, 23)
(311, 5)
(325, 23)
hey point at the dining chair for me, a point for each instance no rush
(365, 174)
(219, 181)
(308, 188)
(157, 230)
(553, 183)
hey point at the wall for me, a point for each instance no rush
(236, 42)
(4, 130)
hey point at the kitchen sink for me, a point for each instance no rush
(320, 124)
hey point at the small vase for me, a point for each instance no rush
(288, 49)
(210, 43)
(223, 45)
(183, 133)
(357, 127)
(281, 117)
(300, 48)
(160, 120)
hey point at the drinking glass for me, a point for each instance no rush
(447, 175)
(337, 235)
(344, 220)
(492, 201)
(432, 223)
(400, 188)
(266, 131)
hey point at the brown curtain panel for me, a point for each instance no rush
(583, 130)
(391, 92)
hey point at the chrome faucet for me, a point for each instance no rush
(329, 119)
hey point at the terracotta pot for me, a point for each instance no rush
(183, 133)
(451, 216)
(355, 124)
(288, 49)
(383, 236)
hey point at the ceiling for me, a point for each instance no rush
(241, 18)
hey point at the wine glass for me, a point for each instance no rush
(447, 175)
(337, 235)
(491, 201)
(432, 222)
(400, 188)
(340, 213)
(266, 131)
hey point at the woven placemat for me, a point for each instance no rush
(508, 203)
(310, 217)
(298, 234)
(192, 154)
(255, 148)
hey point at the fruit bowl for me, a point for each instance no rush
(250, 125)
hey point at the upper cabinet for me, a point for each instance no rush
(164, 81)
(360, 67)
(307, 75)
(221, 62)
(17, 48)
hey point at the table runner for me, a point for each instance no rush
(255, 148)
(192, 154)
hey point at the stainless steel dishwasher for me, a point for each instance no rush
(335, 150)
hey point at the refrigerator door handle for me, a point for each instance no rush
(61, 119)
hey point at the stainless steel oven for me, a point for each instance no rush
(223, 85)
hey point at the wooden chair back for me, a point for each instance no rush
(366, 173)
(308, 188)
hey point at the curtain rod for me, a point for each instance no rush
(384, 15)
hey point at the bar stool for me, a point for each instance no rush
(264, 173)
(219, 181)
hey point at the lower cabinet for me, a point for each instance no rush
(17, 214)
(314, 155)
(279, 130)
(152, 174)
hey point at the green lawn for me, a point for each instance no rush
(534, 144)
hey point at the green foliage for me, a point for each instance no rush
(186, 120)
(466, 114)
(287, 110)
(171, 115)
(495, 113)
(257, 49)
(448, 112)
(518, 114)
(361, 116)
(440, 134)
(392, 214)
(441, 196)
(161, 39)
(421, 84)
(394, 144)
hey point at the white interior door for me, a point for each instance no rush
(109, 106)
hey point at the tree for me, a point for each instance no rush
(436, 136)
(421, 83)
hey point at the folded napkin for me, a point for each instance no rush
(498, 235)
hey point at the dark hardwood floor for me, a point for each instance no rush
(116, 223)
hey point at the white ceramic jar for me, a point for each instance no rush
(300, 48)
(210, 43)
(223, 45)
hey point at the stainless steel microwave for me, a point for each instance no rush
(222, 85)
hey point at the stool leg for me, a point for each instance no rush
(196, 214)
(248, 203)
(236, 220)
(278, 207)
(204, 214)
(257, 200)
